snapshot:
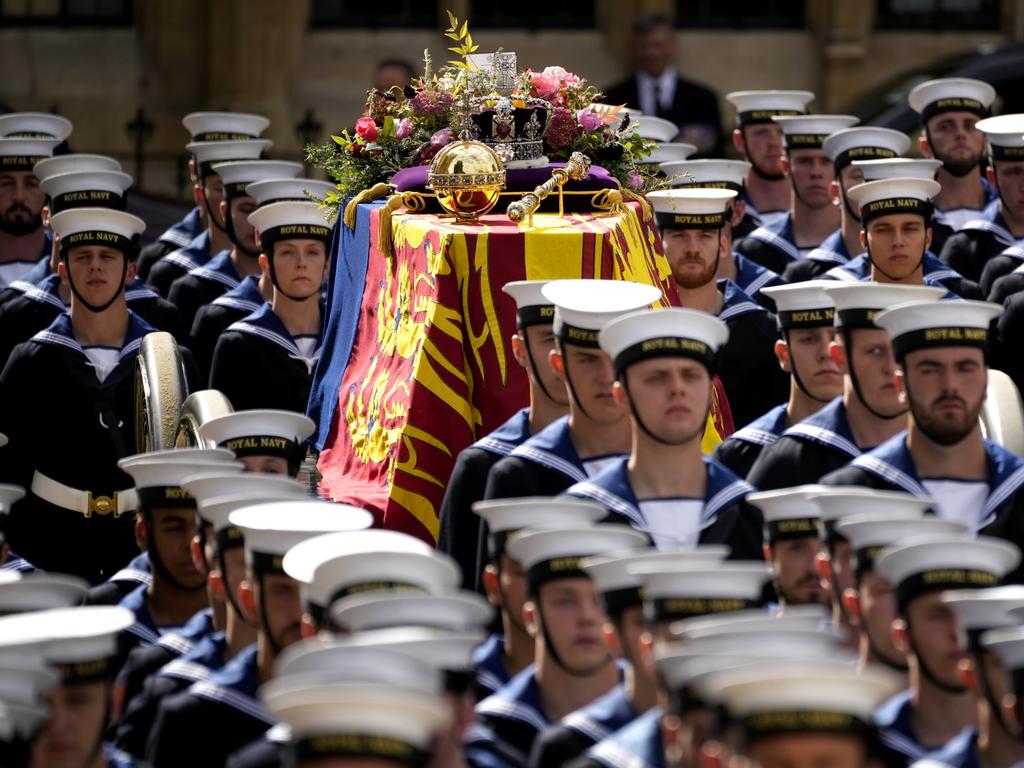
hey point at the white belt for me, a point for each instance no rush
(83, 502)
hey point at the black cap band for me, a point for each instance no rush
(264, 445)
(296, 232)
(927, 338)
(865, 559)
(231, 191)
(737, 188)
(20, 162)
(794, 528)
(856, 318)
(805, 140)
(618, 600)
(942, 579)
(823, 317)
(265, 562)
(578, 337)
(222, 136)
(662, 609)
(98, 237)
(86, 671)
(803, 721)
(1008, 154)
(93, 198)
(565, 567)
(666, 346)
(892, 205)
(377, 585)
(165, 496)
(669, 220)
(755, 116)
(364, 745)
(538, 314)
(227, 538)
(953, 104)
(846, 157)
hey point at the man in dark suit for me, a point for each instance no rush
(657, 89)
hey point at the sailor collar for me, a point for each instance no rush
(828, 427)
(751, 277)
(265, 324)
(138, 571)
(612, 489)
(219, 269)
(235, 686)
(832, 250)
(47, 291)
(199, 663)
(991, 221)
(59, 334)
(736, 303)
(245, 296)
(779, 235)
(193, 255)
(508, 436)
(552, 448)
(144, 628)
(891, 461)
(518, 700)
(638, 745)
(896, 729)
(765, 429)
(489, 664)
(181, 234)
(991, 199)
(858, 269)
(603, 716)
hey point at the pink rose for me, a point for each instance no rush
(634, 180)
(442, 138)
(404, 128)
(545, 86)
(558, 73)
(366, 129)
(590, 121)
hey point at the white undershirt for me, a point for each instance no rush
(103, 360)
(14, 270)
(770, 217)
(962, 500)
(957, 217)
(673, 523)
(597, 463)
(666, 91)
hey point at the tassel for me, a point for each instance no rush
(608, 200)
(635, 197)
(376, 192)
(414, 202)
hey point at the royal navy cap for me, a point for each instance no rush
(293, 220)
(157, 476)
(23, 154)
(532, 308)
(951, 94)
(979, 610)
(98, 226)
(73, 163)
(1005, 135)
(271, 529)
(210, 485)
(669, 152)
(898, 168)
(865, 142)
(763, 106)
(34, 125)
(216, 511)
(276, 190)
(788, 513)
(810, 131)
(709, 174)
(25, 679)
(724, 640)
(40, 592)
(841, 502)
(886, 197)
(458, 611)
(449, 651)
(802, 305)
(506, 517)
(922, 325)
(691, 207)
(261, 432)
(795, 618)
(858, 304)
(584, 307)
(224, 126)
(86, 189)
(655, 128)
(869, 535)
(674, 592)
(1008, 645)
(671, 332)
(238, 174)
(557, 553)
(206, 153)
(918, 566)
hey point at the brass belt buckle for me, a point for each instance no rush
(101, 505)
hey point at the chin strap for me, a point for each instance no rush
(796, 373)
(568, 380)
(549, 645)
(533, 365)
(97, 308)
(229, 229)
(650, 433)
(931, 676)
(278, 288)
(956, 172)
(275, 649)
(222, 226)
(846, 202)
(852, 373)
(871, 259)
(158, 562)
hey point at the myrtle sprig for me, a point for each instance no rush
(465, 40)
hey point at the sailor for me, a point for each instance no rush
(27, 592)
(805, 317)
(869, 411)
(573, 666)
(937, 706)
(1005, 649)
(941, 348)
(1005, 354)
(596, 431)
(251, 292)
(692, 222)
(265, 441)
(507, 653)
(25, 682)
(460, 532)
(209, 194)
(225, 270)
(950, 109)
(664, 361)
(221, 712)
(758, 139)
(85, 360)
(81, 644)
(843, 148)
(266, 360)
(811, 216)
(202, 126)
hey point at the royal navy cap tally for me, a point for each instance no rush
(224, 126)
(858, 304)
(457, 611)
(291, 221)
(40, 592)
(979, 610)
(261, 432)
(870, 535)
(890, 196)
(789, 513)
(802, 305)
(898, 168)
(840, 502)
(940, 563)
(1008, 645)
(921, 325)
(1005, 135)
(271, 529)
(655, 128)
(23, 154)
(81, 642)
(98, 226)
(796, 618)
(584, 307)
(506, 517)
(691, 207)
(810, 131)
(865, 142)
(674, 592)
(549, 554)
(86, 189)
(73, 163)
(669, 152)
(276, 190)
(762, 106)
(238, 174)
(532, 308)
(206, 153)
(34, 125)
(708, 174)
(951, 94)
(671, 332)
(158, 475)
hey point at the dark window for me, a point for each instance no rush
(340, 14)
(66, 13)
(548, 14)
(764, 14)
(937, 14)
